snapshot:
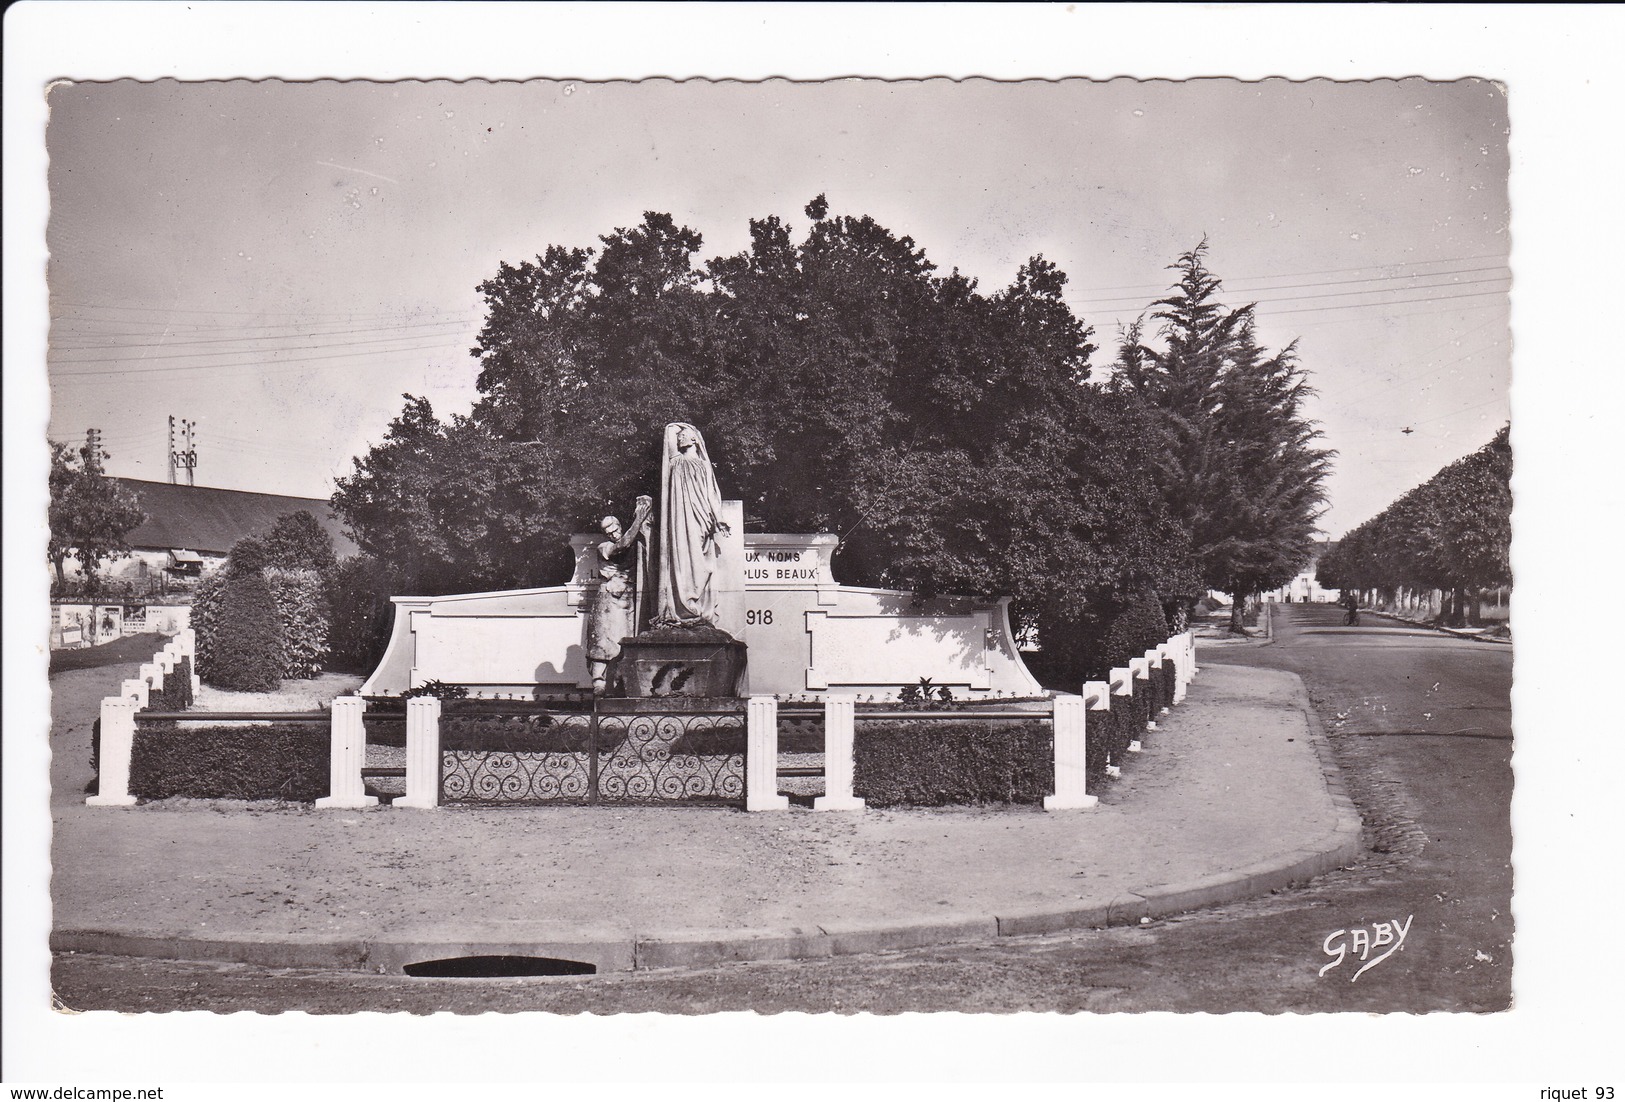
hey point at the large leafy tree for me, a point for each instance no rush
(90, 514)
(1240, 466)
(951, 437)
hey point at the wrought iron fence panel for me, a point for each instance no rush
(492, 757)
(670, 756)
(519, 754)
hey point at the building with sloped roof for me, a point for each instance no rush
(208, 520)
(189, 529)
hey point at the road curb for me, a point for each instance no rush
(620, 952)
(1435, 627)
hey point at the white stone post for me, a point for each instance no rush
(134, 689)
(166, 664)
(152, 674)
(762, 756)
(839, 731)
(113, 757)
(186, 642)
(348, 753)
(1071, 756)
(422, 753)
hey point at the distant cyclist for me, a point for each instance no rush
(1352, 604)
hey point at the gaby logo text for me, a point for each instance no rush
(1361, 942)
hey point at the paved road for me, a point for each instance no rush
(1421, 725)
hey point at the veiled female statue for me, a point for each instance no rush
(690, 524)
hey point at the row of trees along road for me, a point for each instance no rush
(1452, 533)
(954, 439)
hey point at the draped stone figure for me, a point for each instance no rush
(690, 523)
(622, 573)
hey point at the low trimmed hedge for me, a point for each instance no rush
(276, 761)
(176, 695)
(514, 734)
(1126, 726)
(1166, 678)
(1100, 738)
(936, 763)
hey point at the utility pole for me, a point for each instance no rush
(184, 456)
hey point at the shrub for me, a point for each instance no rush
(1100, 733)
(279, 761)
(361, 615)
(1145, 705)
(437, 688)
(1167, 679)
(301, 606)
(926, 695)
(206, 618)
(1126, 726)
(247, 654)
(299, 542)
(1138, 628)
(934, 763)
(247, 556)
(514, 733)
(1089, 646)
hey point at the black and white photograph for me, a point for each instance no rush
(560, 547)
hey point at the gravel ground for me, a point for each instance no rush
(497, 874)
(305, 695)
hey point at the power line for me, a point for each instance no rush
(1464, 409)
(1363, 399)
(1321, 271)
(1395, 302)
(240, 340)
(223, 369)
(1265, 319)
(1452, 310)
(1249, 292)
(244, 352)
(351, 314)
(197, 329)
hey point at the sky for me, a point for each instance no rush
(278, 262)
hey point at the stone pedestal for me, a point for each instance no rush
(682, 662)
